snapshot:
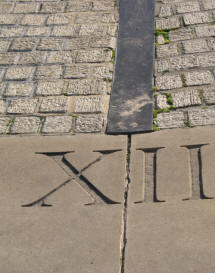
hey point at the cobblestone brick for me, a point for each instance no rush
(206, 59)
(197, 18)
(54, 88)
(54, 105)
(89, 105)
(23, 44)
(96, 30)
(63, 57)
(83, 18)
(9, 19)
(4, 124)
(165, 10)
(186, 97)
(4, 45)
(53, 7)
(79, 5)
(91, 56)
(19, 89)
(198, 77)
(76, 71)
(22, 106)
(2, 106)
(102, 72)
(168, 81)
(5, 7)
(49, 72)
(180, 34)
(26, 7)
(166, 50)
(187, 7)
(38, 31)
(57, 124)
(204, 31)
(195, 46)
(198, 117)
(102, 5)
(168, 23)
(59, 19)
(211, 43)
(50, 44)
(33, 20)
(171, 120)
(32, 58)
(208, 93)
(87, 87)
(161, 101)
(208, 4)
(7, 32)
(65, 31)
(25, 125)
(8, 58)
(19, 72)
(89, 124)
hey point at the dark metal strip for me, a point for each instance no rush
(131, 103)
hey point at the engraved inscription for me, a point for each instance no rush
(195, 159)
(150, 183)
(76, 175)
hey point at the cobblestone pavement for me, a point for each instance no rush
(185, 63)
(56, 65)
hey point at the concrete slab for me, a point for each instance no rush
(171, 218)
(61, 203)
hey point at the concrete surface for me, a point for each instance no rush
(46, 184)
(170, 216)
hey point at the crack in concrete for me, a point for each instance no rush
(123, 240)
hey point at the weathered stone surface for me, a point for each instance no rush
(204, 31)
(201, 116)
(188, 6)
(197, 18)
(57, 124)
(19, 89)
(209, 94)
(89, 124)
(198, 77)
(4, 124)
(166, 50)
(19, 72)
(195, 46)
(175, 235)
(46, 88)
(168, 81)
(87, 87)
(161, 101)
(180, 34)
(54, 105)
(22, 106)
(89, 105)
(25, 125)
(46, 212)
(171, 120)
(186, 98)
(168, 23)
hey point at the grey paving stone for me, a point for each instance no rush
(11, 31)
(195, 46)
(19, 89)
(4, 124)
(208, 4)
(25, 125)
(33, 58)
(59, 19)
(87, 87)
(165, 10)
(2, 106)
(19, 72)
(33, 20)
(49, 72)
(197, 18)
(161, 101)
(162, 236)
(171, 120)
(76, 71)
(205, 31)
(89, 124)
(209, 94)
(23, 44)
(201, 116)
(38, 31)
(188, 6)
(168, 23)
(54, 105)
(26, 7)
(68, 226)
(47, 88)
(57, 124)
(168, 81)
(22, 106)
(198, 77)
(180, 34)
(167, 50)
(187, 97)
(89, 105)
(81, 5)
(8, 58)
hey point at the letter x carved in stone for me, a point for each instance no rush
(76, 175)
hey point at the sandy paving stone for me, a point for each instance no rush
(22, 106)
(19, 89)
(58, 124)
(54, 105)
(25, 125)
(89, 124)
